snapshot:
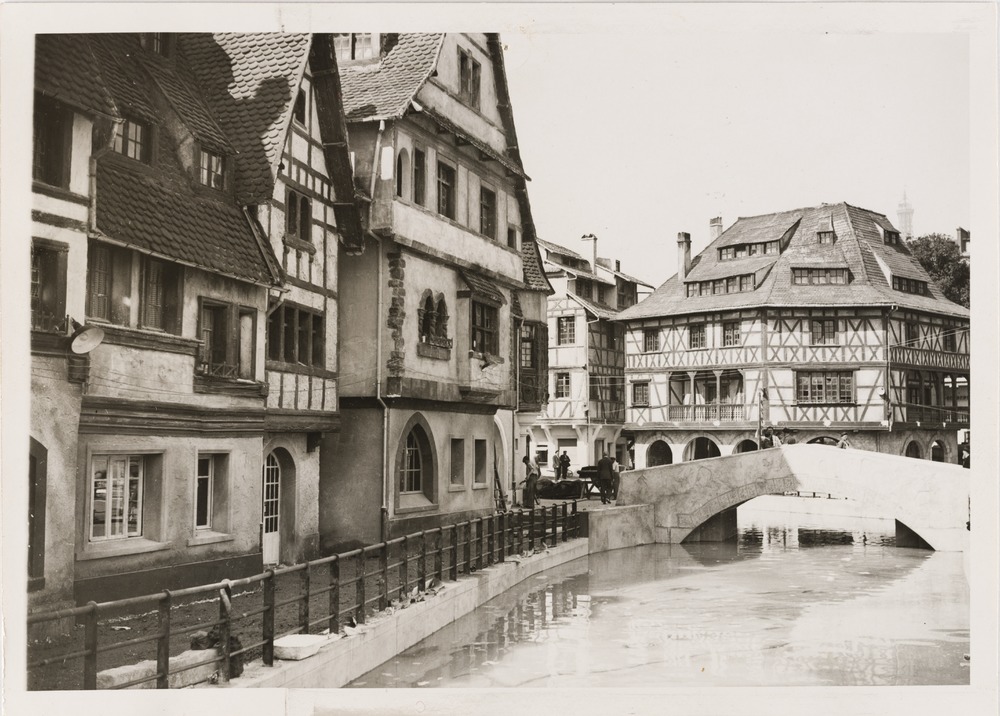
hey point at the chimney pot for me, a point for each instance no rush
(683, 254)
(715, 227)
(618, 265)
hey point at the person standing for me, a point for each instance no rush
(531, 473)
(605, 475)
(843, 442)
(616, 477)
(563, 466)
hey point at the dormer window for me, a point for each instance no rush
(468, 74)
(891, 237)
(156, 42)
(909, 285)
(824, 232)
(133, 140)
(354, 45)
(211, 169)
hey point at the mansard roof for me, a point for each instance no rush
(859, 246)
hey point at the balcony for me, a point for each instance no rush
(723, 412)
(931, 414)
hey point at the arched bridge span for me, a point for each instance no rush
(698, 499)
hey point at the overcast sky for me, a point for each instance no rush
(634, 138)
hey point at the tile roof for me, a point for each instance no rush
(65, 68)
(250, 81)
(604, 312)
(556, 248)
(531, 262)
(584, 273)
(124, 78)
(711, 270)
(857, 244)
(187, 104)
(384, 89)
(168, 219)
(483, 287)
(626, 277)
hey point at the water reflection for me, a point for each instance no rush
(791, 601)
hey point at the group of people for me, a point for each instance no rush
(608, 476)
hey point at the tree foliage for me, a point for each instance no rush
(942, 259)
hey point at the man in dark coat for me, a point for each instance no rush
(563, 466)
(605, 474)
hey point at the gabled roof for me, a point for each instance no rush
(375, 90)
(65, 68)
(594, 309)
(557, 249)
(858, 246)
(250, 81)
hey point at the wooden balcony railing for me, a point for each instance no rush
(707, 413)
(933, 414)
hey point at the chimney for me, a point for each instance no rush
(591, 237)
(683, 254)
(715, 228)
(618, 265)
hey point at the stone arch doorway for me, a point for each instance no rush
(747, 445)
(701, 448)
(913, 450)
(824, 440)
(659, 453)
(937, 451)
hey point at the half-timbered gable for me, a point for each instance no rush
(825, 318)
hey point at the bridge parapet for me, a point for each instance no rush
(930, 498)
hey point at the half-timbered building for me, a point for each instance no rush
(586, 408)
(162, 162)
(437, 308)
(817, 320)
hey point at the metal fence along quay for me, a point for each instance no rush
(321, 595)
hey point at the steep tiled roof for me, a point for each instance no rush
(127, 82)
(483, 287)
(532, 266)
(556, 248)
(250, 81)
(191, 108)
(584, 273)
(384, 90)
(65, 68)
(170, 220)
(858, 242)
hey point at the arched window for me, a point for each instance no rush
(427, 316)
(937, 451)
(411, 467)
(441, 329)
(913, 450)
(403, 174)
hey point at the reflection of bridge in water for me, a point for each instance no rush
(697, 501)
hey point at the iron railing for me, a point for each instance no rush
(327, 592)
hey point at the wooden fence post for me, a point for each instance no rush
(90, 644)
(360, 588)
(404, 567)
(268, 617)
(468, 547)
(438, 547)
(454, 553)
(565, 536)
(163, 643)
(555, 526)
(334, 624)
(422, 564)
(383, 597)
(225, 629)
(304, 601)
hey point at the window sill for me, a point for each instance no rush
(147, 339)
(209, 537)
(491, 358)
(697, 349)
(229, 386)
(480, 486)
(59, 192)
(415, 502)
(119, 548)
(456, 488)
(428, 350)
(298, 244)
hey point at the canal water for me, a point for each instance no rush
(800, 598)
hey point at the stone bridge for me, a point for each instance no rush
(697, 501)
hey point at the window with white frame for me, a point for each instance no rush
(446, 182)
(133, 140)
(209, 493)
(566, 330)
(211, 169)
(484, 328)
(469, 73)
(487, 212)
(650, 340)
(116, 496)
(731, 333)
(640, 394)
(481, 462)
(696, 336)
(412, 464)
(354, 45)
(823, 331)
(562, 385)
(457, 461)
(824, 386)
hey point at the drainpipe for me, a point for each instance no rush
(384, 511)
